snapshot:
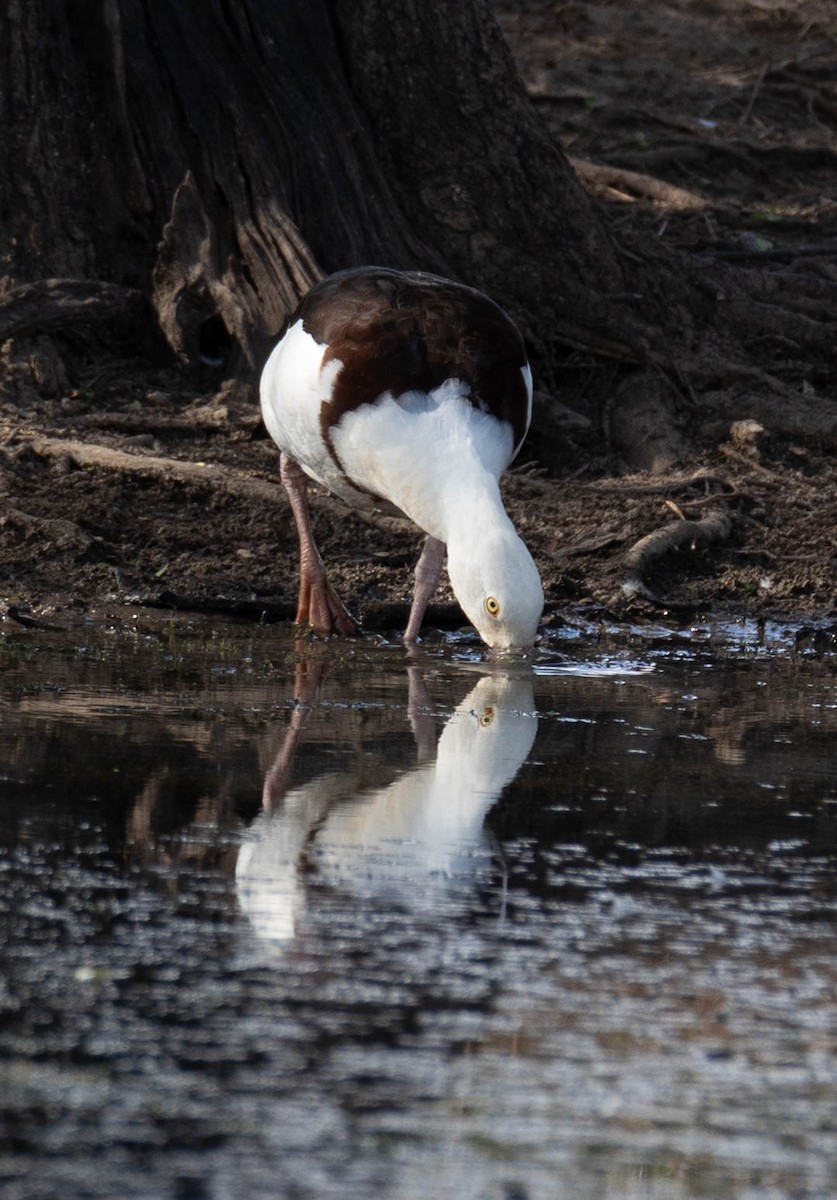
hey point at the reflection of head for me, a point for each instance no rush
(407, 842)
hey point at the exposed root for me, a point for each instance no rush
(203, 475)
(212, 420)
(267, 610)
(782, 410)
(212, 477)
(616, 183)
(760, 318)
(703, 478)
(590, 545)
(25, 618)
(641, 422)
(715, 527)
(51, 304)
(737, 253)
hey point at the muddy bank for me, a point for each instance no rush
(715, 129)
(193, 509)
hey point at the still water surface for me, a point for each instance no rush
(439, 927)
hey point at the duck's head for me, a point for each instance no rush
(498, 586)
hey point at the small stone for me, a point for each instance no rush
(747, 437)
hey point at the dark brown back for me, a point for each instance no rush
(400, 331)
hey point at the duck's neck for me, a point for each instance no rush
(473, 511)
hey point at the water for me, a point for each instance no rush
(445, 928)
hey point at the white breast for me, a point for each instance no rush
(420, 450)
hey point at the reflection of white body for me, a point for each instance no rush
(406, 842)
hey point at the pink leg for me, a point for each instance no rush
(428, 570)
(319, 605)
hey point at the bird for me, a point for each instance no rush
(406, 389)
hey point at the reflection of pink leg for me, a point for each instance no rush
(319, 605)
(428, 570)
(309, 677)
(420, 712)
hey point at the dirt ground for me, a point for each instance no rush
(712, 124)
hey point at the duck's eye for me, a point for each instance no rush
(492, 606)
(487, 716)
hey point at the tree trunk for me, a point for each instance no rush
(206, 153)
(217, 157)
(233, 152)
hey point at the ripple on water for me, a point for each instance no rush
(433, 929)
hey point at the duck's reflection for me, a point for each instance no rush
(408, 843)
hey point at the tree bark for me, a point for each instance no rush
(209, 154)
(217, 158)
(234, 152)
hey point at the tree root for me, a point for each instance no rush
(715, 527)
(781, 410)
(762, 319)
(267, 610)
(212, 420)
(24, 617)
(51, 304)
(641, 422)
(611, 182)
(703, 478)
(591, 545)
(737, 253)
(209, 476)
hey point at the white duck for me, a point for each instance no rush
(407, 388)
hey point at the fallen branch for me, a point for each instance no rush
(713, 528)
